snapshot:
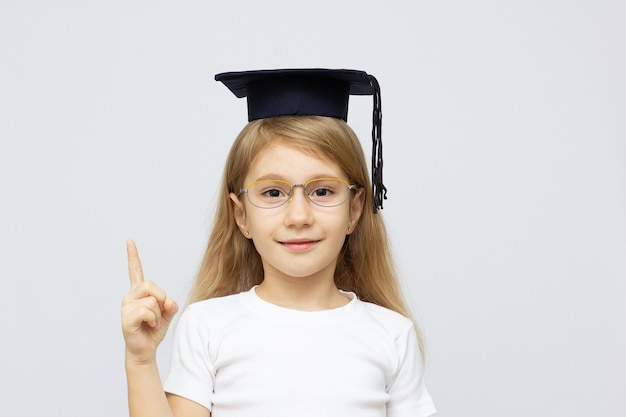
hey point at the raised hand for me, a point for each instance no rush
(146, 312)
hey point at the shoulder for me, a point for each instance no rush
(390, 320)
(222, 304)
(211, 315)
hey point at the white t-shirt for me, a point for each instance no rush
(242, 356)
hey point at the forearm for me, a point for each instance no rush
(146, 397)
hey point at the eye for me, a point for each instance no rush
(273, 193)
(326, 189)
(322, 192)
(269, 190)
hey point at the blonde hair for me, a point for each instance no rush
(365, 266)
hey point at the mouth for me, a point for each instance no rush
(299, 245)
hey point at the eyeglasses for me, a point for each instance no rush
(324, 192)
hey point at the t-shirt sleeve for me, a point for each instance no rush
(192, 372)
(409, 397)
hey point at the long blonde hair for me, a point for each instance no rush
(365, 266)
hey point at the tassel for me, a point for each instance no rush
(379, 191)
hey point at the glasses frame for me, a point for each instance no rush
(304, 188)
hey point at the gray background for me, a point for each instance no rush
(505, 156)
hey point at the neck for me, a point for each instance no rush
(301, 293)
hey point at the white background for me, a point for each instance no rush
(505, 156)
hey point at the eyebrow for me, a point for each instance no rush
(282, 178)
(270, 177)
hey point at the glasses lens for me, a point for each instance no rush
(268, 194)
(327, 192)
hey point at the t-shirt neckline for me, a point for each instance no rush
(321, 317)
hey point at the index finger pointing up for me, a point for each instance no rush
(135, 271)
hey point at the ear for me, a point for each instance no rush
(356, 209)
(240, 214)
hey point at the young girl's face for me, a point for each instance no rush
(299, 238)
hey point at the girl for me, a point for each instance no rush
(296, 309)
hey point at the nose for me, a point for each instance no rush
(298, 211)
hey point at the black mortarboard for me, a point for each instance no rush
(311, 92)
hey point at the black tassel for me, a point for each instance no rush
(379, 191)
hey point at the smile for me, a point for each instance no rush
(299, 245)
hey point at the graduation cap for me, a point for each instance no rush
(311, 92)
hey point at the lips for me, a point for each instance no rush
(299, 245)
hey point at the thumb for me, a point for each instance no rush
(170, 308)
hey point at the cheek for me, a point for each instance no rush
(262, 222)
(339, 221)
